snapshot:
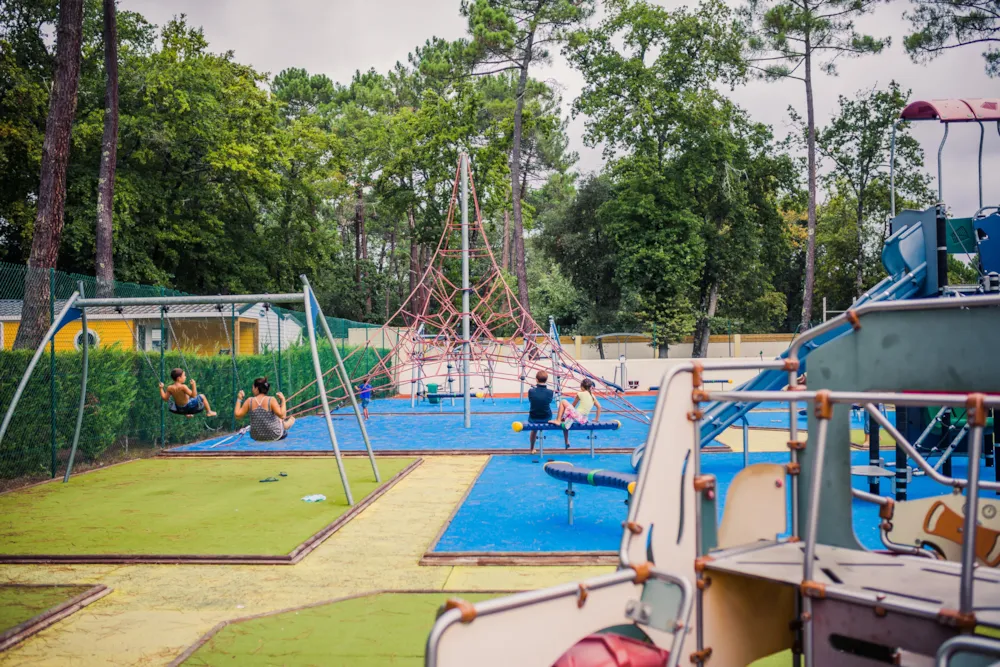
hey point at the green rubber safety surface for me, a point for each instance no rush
(185, 507)
(22, 603)
(371, 631)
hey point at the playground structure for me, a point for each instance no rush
(694, 587)
(77, 307)
(571, 474)
(543, 427)
(475, 328)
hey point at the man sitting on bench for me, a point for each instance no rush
(540, 405)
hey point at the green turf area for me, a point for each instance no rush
(21, 603)
(185, 506)
(387, 629)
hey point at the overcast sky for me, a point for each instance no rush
(339, 37)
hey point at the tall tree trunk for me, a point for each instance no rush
(105, 261)
(52, 188)
(520, 264)
(393, 266)
(859, 277)
(365, 275)
(359, 238)
(810, 278)
(702, 329)
(505, 256)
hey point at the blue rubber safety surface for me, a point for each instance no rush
(394, 426)
(516, 507)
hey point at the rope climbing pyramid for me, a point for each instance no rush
(425, 338)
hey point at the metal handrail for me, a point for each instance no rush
(969, 644)
(928, 469)
(519, 600)
(882, 501)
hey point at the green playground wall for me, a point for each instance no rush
(124, 416)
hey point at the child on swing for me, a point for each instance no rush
(185, 400)
(579, 410)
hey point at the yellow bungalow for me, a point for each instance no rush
(197, 329)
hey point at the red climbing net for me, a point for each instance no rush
(425, 333)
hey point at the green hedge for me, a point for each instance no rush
(123, 405)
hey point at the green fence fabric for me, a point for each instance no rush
(124, 416)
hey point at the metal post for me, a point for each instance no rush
(321, 387)
(942, 247)
(345, 378)
(232, 357)
(873, 450)
(746, 441)
(413, 374)
(83, 389)
(569, 501)
(466, 348)
(793, 436)
(939, 166)
(280, 317)
(988, 442)
(901, 466)
(945, 433)
(812, 525)
(982, 135)
(52, 373)
(163, 346)
(824, 309)
(31, 365)
(970, 527)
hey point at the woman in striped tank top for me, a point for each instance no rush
(269, 420)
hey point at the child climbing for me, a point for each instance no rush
(540, 404)
(365, 395)
(184, 400)
(269, 420)
(579, 410)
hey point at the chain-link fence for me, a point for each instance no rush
(131, 351)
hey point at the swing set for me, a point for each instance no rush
(76, 308)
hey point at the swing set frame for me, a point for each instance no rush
(76, 307)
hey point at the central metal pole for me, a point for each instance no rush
(466, 398)
(970, 525)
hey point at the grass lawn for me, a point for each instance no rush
(185, 506)
(387, 629)
(21, 603)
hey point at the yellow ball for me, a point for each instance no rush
(631, 488)
(517, 426)
(618, 424)
(480, 394)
